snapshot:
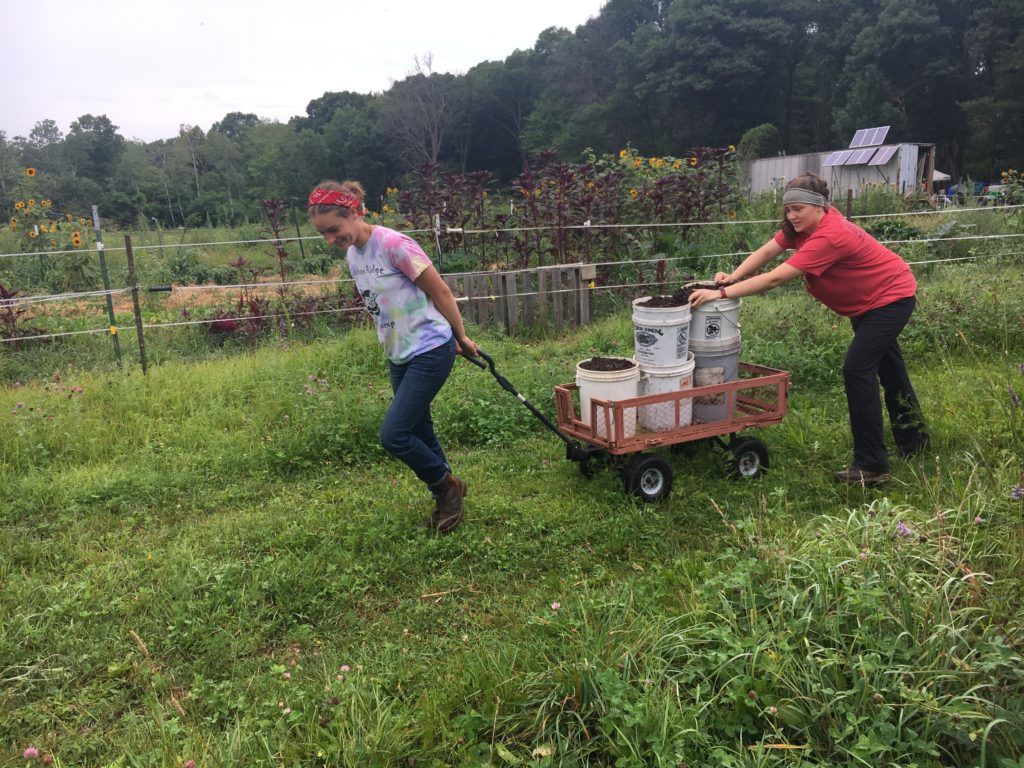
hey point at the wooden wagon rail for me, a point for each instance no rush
(758, 399)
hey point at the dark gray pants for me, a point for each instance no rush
(874, 356)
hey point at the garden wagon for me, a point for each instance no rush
(757, 399)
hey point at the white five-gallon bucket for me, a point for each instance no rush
(609, 385)
(715, 363)
(715, 322)
(658, 380)
(660, 334)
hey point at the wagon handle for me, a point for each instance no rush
(574, 451)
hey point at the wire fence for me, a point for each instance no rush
(19, 302)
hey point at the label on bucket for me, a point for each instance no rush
(712, 326)
(682, 342)
(646, 336)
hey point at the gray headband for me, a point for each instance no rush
(797, 195)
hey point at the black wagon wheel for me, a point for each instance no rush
(648, 476)
(749, 458)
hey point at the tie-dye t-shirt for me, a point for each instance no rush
(408, 323)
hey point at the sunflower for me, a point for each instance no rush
(637, 162)
(31, 202)
(20, 204)
(693, 162)
(82, 221)
(32, 233)
(732, 147)
(634, 194)
(76, 239)
(30, 172)
(623, 153)
(46, 203)
(677, 165)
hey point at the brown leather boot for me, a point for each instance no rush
(448, 495)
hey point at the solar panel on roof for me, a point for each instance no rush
(837, 158)
(860, 156)
(878, 136)
(869, 137)
(883, 155)
(860, 136)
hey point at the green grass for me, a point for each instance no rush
(188, 559)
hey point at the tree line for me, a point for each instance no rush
(661, 76)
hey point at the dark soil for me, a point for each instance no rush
(682, 295)
(660, 302)
(607, 364)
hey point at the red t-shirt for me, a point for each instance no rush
(846, 269)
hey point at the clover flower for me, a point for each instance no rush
(556, 607)
(31, 753)
(903, 530)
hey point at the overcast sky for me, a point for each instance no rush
(151, 66)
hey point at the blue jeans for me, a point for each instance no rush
(408, 431)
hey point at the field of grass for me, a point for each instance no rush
(217, 563)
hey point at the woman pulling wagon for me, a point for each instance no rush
(418, 324)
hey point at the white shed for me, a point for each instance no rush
(905, 167)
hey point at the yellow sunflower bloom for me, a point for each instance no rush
(32, 233)
(31, 202)
(82, 221)
(693, 162)
(677, 165)
(46, 203)
(76, 241)
(20, 204)
(634, 194)
(30, 172)
(637, 162)
(732, 147)
(623, 153)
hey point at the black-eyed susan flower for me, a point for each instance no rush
(30, 172)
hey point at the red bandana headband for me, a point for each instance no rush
(321, 196)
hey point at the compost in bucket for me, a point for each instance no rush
(607, 364)
(608, 378)
(661, 330)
